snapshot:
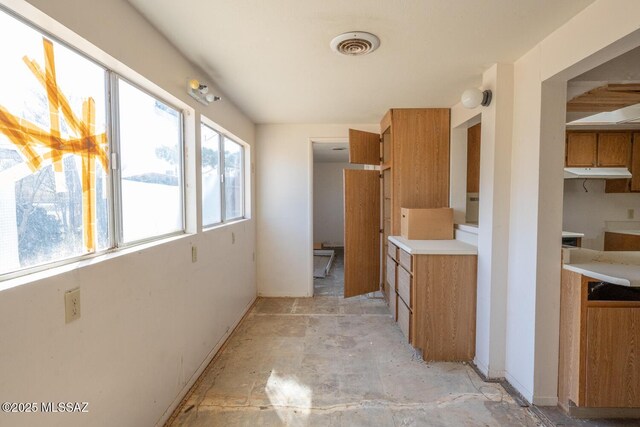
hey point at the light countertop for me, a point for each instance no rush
(618, 274)
(571, 234)
(620, 268)
(631, 232)
(434, 247)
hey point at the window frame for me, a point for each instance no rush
(204, 121)
(242, 184)
(115, 150)
(113, 172)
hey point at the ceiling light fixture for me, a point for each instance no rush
(471, 98)
(200, 92)
(355, 43)
(338, 148)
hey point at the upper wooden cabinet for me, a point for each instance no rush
(581, 149)
(635, 163)
(598, 149)
(364, 147)
(419, 139)
(614, 149)
(473, 159)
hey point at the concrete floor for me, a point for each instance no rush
(328, 361)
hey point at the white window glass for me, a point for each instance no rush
(53, 151)
(211, 188)
(233, 180)
(150, 165)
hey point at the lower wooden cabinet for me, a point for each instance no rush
(436, 303)
(598, 365)
(405, 319)
(621, 241)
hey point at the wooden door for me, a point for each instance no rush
(581, 149)
(364, 147)
(361, 232)
(614, 149)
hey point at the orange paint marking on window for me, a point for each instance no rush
(37, 145)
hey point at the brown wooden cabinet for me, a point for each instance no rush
(599, 344)
(581, 149)
(435, 297)
(635, 163)
(412, 152)
(598, 149)
(473, 158)
(621, 241)
(614, 149)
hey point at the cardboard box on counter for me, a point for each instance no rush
(426, 224)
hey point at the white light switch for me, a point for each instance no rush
(72, 305)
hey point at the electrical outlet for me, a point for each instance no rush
(631, 213)
(194, 253)
(72, 305)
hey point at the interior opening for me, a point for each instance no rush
(600, 238)
(329, 161)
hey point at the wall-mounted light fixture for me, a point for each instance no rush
(471, 98)
(200, 92)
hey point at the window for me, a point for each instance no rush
(150, 165)
(211, 194)
(222, 178)
(60, 195)
(233, 194)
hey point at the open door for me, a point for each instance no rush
(364, 147)
(361, 232)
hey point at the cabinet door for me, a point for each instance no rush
(612, 363)
(581, 149)
(635, 163)
(361, 232)
(473, 159)
(614, 149)
(364, 147)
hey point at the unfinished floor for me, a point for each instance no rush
(327, 361)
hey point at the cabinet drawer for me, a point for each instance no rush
(393, 304)
(406, 260)
(404, 286)
(404, 319)
(391, 274)
(392, 251)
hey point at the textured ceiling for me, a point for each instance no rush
(325, 153)
(272, 58)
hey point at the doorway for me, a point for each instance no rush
(329, 161)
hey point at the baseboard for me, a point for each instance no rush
(522, 390)
(596, 413)
(545, 400)
(167, 416)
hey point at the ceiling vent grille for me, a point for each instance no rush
(355, 43)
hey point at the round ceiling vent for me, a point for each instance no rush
(355, 43)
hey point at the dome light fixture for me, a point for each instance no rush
(355, 43)
(472, 98)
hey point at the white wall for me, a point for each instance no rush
(284, 200)
(328, 202)
(588, 212)
(600, 32)
(150, 317)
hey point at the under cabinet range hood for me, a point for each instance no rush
(596, 173)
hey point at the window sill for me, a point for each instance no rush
(224, 224)
(87, 260)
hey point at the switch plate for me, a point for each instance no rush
(233, 238)
(631, 213)
(72, 305)
(194, 253)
